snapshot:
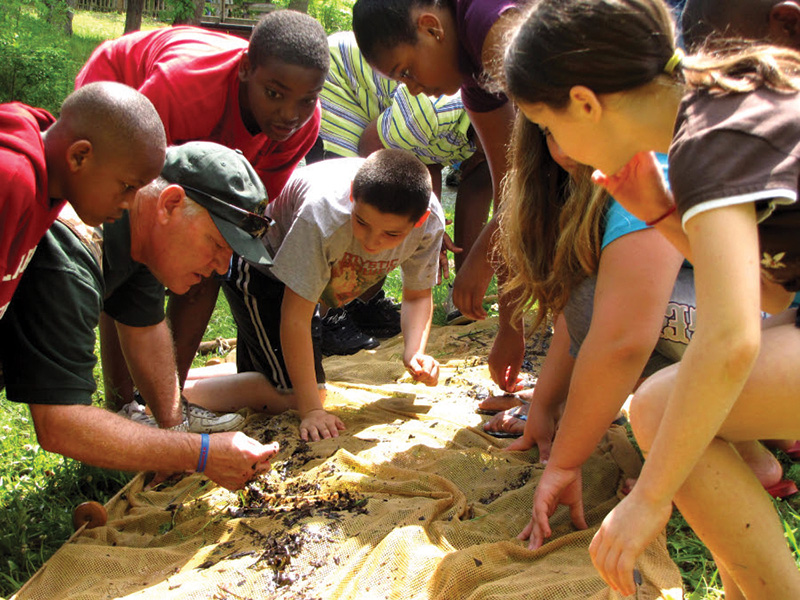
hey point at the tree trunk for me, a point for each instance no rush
(60, 11)
(199, 7)
(133, 18)
(298, 5)
(68, 17)
(194, 18)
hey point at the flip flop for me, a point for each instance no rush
(793, 451)
(515, 413)
(783, 489)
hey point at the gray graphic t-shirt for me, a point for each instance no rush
(315, 253)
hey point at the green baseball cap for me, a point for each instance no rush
(222, 181)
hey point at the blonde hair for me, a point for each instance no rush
(549, 226)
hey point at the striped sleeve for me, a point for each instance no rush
(353, 96)
(434, 129)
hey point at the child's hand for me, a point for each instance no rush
(540, 430)
(423, 368)
(622, 538)
(639, 186)
(444, 262)
(320, 424)
(505, 358)
(557, 486)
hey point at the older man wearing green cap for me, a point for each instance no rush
(180, 228)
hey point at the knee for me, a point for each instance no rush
(647, 408)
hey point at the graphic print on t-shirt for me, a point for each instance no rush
(352, 275)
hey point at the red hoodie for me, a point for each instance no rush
(26, 210)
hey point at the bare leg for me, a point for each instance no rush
(728, 508)
(116, 378)
(722, 499)
(732, 591)
(188, 317)
(228, 393)
(211, 371)
(761, 461)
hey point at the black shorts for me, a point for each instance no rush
(255, 300)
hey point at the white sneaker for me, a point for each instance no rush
(195, 420)
(201, 420)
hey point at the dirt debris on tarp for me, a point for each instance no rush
(412, 501)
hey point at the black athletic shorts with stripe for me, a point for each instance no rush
(255, 300)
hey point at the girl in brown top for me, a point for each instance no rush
(604, 78)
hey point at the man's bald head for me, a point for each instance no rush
(775, 21)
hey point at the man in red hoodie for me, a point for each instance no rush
(107, 143)
(259, 97)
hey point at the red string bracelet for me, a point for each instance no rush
(662, 217)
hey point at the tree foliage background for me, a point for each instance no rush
(40, 59)
(34, 52)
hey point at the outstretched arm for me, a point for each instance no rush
(635, 279)
(712, 373)
(298, 351)
(549, 395)
(494, 131)
(415, 320)
(102, 438)
(151, 360)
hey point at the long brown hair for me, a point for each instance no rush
(549, 226)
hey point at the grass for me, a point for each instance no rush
(92, 28)
(39, 490)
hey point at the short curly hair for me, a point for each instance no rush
(292, 37)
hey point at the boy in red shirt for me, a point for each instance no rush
(259, 97)
(107, 143)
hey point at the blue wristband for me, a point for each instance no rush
(204, 444)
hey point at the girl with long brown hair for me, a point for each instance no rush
(604, 77)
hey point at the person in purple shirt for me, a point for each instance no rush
(439, 47)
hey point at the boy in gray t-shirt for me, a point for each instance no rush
(339, 226)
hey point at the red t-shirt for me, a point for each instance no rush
(191, 76)
(26, 210)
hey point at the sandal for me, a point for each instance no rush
(783, 489)
(518, 412)
(793, 451)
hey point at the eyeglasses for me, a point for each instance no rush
(251, 223)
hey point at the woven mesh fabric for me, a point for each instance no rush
(412, 501)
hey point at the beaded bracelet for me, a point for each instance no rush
(662, 217)
(204, 444)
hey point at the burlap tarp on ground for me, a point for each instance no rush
(412, 501)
